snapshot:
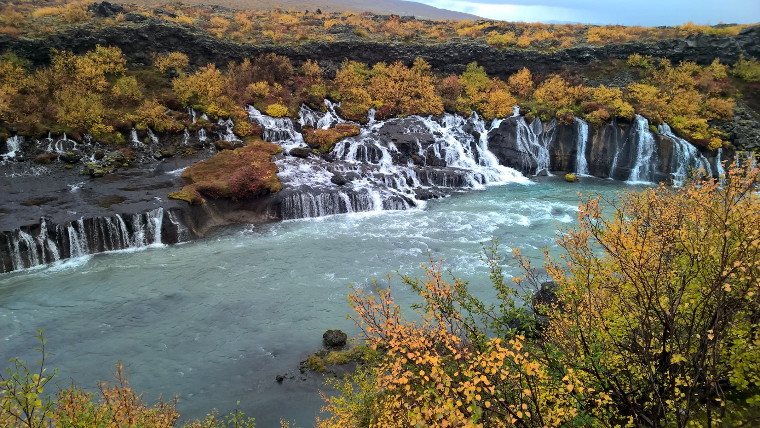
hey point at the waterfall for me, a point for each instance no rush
(152, 137)
(228, 134)
(686, 159)
(720, 172)
(581, 165)
(14, 145)
(82, 237)
(134, 139)
(278, 130)
(46, 244)
(532, 148)
(390, 165)
(186, 137)
(202, 135)
(77, 239)
(319, 120)
(644, 166)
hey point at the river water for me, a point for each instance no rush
(216, 320)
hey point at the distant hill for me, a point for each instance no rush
(380, 7)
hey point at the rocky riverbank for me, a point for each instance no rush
(60, 205)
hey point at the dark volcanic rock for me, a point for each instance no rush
(503, 143)
(105, 9)
(334, 339)
(140, 36)
(300, 152)
(338, 179)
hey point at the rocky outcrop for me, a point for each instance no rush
(139, 36)
(621, 151)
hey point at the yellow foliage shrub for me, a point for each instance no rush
(277, 110)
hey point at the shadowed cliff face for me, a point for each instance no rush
(625, 151)
(142, 36)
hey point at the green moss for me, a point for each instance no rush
(317, 363)
(571, 178)
(188, 194)
(323, 140)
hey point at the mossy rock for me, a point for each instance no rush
(570, 177)
(188, 194)
(224, 145)
(45, 158)
(238, 174)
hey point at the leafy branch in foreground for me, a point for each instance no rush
(655, 322)
(22, 402)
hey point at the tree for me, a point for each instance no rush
(657, 299)
(173, 60)
(654, 321)
(521, 83)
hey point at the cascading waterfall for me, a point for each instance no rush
(307, 116)
(686, 159)
(134, 139)
(644, 166)
(719, 169)
(278, 130)
(14, 145)
(78, 238)
(533, 148)
(227, 134)
(581, 165)
(152, 137)
(372, 171)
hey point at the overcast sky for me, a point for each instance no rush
(628, 12)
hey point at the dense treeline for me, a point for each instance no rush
(38, 18)
(95, 93)
(652, 320)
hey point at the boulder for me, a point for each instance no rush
(223, 145)
(300, 152)
(334, 339)
(338, 179)
(70, 157)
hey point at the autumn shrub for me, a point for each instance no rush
(277, 110)
(236, 174)
(405, 90)
(747, 69)
(654, 321)
(173, 60)
(324, 140)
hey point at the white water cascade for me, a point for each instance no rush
(14, 145)
(532, 141)
(686, 159)
(644, 167)
(318, 120)
(85, 236)
(227, 133)
(278, 130)
(390, 165)
(581, 164)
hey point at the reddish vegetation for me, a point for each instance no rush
(324, 139)
(237, 174)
